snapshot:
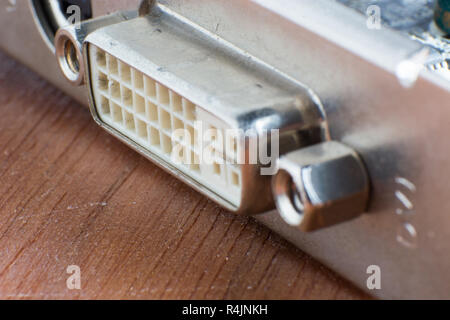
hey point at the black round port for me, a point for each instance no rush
(442, 16)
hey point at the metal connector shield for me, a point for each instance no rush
(152, 75)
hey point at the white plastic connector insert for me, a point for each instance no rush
(148, 112)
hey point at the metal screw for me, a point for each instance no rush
(320, 186)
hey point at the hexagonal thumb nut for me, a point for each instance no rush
(320, 186)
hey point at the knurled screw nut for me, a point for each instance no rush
(320, 186)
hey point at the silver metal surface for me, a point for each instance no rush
(320, 186)
(400, 133)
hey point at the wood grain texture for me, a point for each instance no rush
(72, 195)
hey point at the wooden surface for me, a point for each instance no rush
(72, 195)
